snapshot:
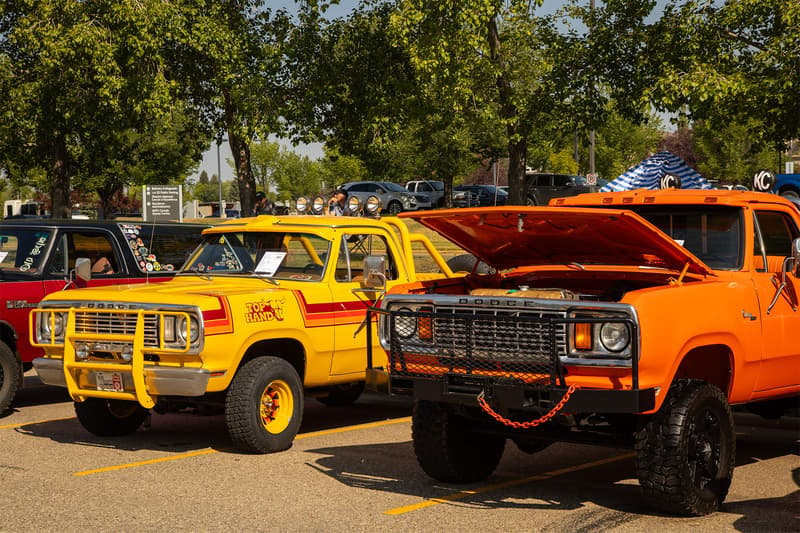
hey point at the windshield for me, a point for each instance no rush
(278, 255)
(23, 250)
(393, 187)
(712, 233)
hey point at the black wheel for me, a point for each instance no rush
(394, 208)
(466, 262)
(264, 406)
(685, 454)
(530, 200)
(341, 395)
(110, 418)
(447, 450)
(10, 376)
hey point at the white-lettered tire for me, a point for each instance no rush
(264, 406)
(447, 450)
(9, 376)
(110, 418)
(685, 454)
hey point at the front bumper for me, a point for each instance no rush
(159, 380)
(464, 390)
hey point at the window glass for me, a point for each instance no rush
(350, 265)
(777, 233)
(23, 250)
(160, 248)
(96, 247)
(713, 234)
(294, 256)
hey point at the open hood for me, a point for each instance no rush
(513, 236)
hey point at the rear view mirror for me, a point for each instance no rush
(375, 272)
(83, 268)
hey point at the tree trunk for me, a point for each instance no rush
(59, 180)
(244, 173)
(517, 138)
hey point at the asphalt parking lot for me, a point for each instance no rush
(350, 469)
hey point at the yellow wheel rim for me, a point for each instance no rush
(276, 406)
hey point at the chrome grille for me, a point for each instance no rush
(114, 323)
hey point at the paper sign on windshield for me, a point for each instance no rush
(3, 256)
(269, 263)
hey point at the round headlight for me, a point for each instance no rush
(318, 205)
(405, 326)
(53, 324)
(194, 329)
(373, 205)
(354, 205)
(301, 204)
(615, 336)
(81, 351)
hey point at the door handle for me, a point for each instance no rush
(748, 316)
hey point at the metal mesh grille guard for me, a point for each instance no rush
(495, 343)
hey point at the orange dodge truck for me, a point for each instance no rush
(636, 317)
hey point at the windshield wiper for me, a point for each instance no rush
(194, 272)
(265, 278)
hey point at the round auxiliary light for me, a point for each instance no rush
(615, 336)
(127, 353)
(405, 326)
(373, 205)
(302, 204)
(354, 205)
(318, 205)
(81, 351)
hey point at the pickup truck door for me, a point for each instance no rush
(780, 365)
(97, 245)
(351, 300)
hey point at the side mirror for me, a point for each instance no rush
(796, 256)
(83, 268)
(375, 272)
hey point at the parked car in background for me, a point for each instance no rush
(540, 188)
(394, 198)
(433, 188)
(38, 257)
(486, 194)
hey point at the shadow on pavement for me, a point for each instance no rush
(185, 432)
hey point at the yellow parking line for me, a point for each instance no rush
(19, 425)
(142, 463)
(209, 450)
(480, 490)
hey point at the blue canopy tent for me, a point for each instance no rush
(660, 171)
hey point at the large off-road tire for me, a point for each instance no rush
(394, 208)
(110, 418)
(446, 448)
(10, 376)
(532, 446)
(686, 452)
(343, 395)
(466, 262)
(264, 406)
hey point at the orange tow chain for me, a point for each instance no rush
(533, 423)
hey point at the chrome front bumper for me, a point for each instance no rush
(159, 380)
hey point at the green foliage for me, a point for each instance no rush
(732, 64)
(729, 155)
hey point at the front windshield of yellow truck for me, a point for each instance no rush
(276, 255)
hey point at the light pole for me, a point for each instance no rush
(219, 178)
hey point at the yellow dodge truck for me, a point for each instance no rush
(265, 310)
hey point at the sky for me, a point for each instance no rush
(314, 151)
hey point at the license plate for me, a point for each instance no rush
(109, 381)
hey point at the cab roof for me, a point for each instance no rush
(672, 196)
(286, 222)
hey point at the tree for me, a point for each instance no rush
(731, 64)
(83, 80)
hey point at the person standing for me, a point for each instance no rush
(264, 205)
(337, 205)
